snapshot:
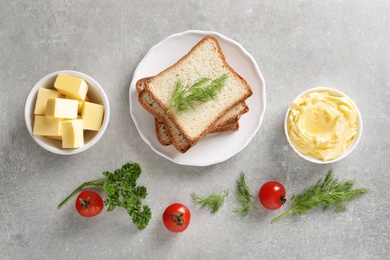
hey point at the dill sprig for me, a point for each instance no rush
(213, 201)
(244, 197)
(183, 97)
(327, 193)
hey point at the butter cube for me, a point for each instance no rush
(54, 137)
(62, 108)
(47, 126)
(43, 95)
(72, 133)
(80, 103)
(92, 115)
(72, 87)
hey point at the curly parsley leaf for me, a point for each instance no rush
(122, 191)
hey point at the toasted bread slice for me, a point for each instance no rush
(204, 60)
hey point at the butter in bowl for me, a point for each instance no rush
(323, 125)
(66, 112)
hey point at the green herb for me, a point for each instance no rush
(122, 191)
(327, 193)
(214, 201)
(183, 98)
(243, 196)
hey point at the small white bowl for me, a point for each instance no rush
(351, 147)
(96, 95)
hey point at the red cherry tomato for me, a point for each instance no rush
(272, 195)
(176, 217)
(89, 203)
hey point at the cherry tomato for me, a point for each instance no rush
(89, 203)
(176, 217)
(272, 195)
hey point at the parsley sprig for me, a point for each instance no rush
(184, 98)
(327, 193)
(122, 191)
(213, 201)
(244, 197)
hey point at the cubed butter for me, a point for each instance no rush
(72, 133)
(43, 95)
(92, 115)
(54, 137)
(47, 126)
(80, 103)
(62, 108)
(70, 86)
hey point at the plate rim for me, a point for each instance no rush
(257, 73)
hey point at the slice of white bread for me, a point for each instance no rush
(175, 136)
(235, 111)
(204, 60)
(224, 124)
(238, 110)
(178, 139)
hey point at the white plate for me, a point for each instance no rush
(213, 148)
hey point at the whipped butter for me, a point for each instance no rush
(322, 125)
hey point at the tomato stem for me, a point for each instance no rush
(96, 183)
(282, 199)
(177, 218)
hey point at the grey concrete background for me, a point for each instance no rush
(297, 45)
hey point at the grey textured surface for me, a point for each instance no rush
(297, 44)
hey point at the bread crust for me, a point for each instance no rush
(234, 125)
(164, 137)
(139, 85)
